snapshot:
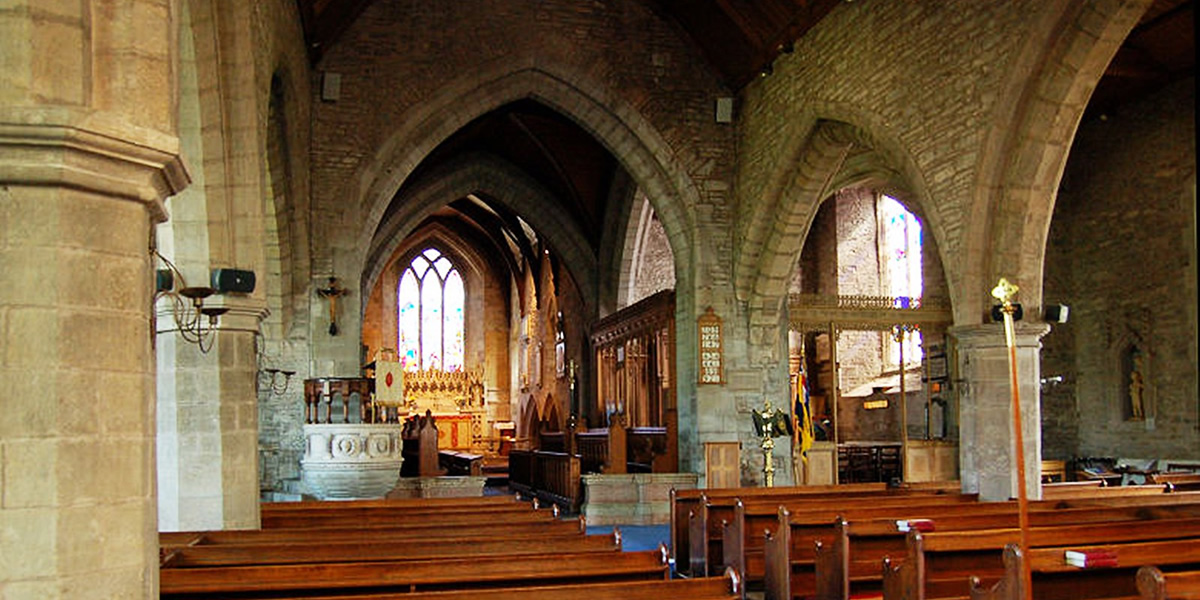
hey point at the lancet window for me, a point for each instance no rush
(901, 258)
(430, 303)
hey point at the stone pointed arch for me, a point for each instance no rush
(501, 181)
(1009, 219)
(841, 148)
(610, 118)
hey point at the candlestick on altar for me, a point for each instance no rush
(1004, 292)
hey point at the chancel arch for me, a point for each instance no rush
(490, 177)
(617, 126)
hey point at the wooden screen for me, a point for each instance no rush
(634, 354)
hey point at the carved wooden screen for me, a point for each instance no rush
(634, 353)
(635, 359)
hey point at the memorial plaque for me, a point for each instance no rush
(712, 367)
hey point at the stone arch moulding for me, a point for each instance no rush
(282, 195)
(821, 165)
(498, 180)
(1027, 146)
(618, 126)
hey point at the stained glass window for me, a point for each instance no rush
(430, 301)
(902, 268)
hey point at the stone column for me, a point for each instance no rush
(208, 422)
(87, 153)
(986, 435)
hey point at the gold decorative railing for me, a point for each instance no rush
(817, 312)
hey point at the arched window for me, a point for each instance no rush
(429, 306)
(902, 268)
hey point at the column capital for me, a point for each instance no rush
(90, 150)
(991, 335)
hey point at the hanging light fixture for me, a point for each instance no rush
(272, 380)
(187, 306)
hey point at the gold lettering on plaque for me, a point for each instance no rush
(711, 352)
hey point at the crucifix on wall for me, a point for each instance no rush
(332, 293)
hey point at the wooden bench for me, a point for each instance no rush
(1081, 489)
(408, 531)
(1054, 579)
(387, 516)
(326, 551)
(1180, 480)
(551, 476)
(683, 502)
(1155, 584)
(273, 581)
(955, 564)
(703, 588)
(804, 557)
(394, 503)
(706, 518)
(740, 544)
(455, 463)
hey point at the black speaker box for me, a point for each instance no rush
(998, 312)
(1056, 313)
(233, 280)
(164, 280)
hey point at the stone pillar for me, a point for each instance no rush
(208, 423)
(986, 435)
(87, 153)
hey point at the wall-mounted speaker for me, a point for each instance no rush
(1056, 313)
(998, 312)
(164, 280)
(232, 280)
(724, 109)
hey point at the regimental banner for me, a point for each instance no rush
(389, 383)
(712, 361)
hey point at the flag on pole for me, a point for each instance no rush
(801, 413)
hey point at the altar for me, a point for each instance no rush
(454, 398)
(456, 431)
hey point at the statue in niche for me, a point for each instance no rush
(1137, 409)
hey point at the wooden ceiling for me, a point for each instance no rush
(739, 38)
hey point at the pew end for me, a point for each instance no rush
(1011, 586)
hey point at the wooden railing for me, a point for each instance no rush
(320, 393)
(551, 476)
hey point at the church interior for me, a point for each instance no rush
(625, 258)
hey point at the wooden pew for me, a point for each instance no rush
(740, 542)
(394, 503)
(415, 530)
(1054, 579)
(326, 551)
(273, 581)
(683, 502)
(455, 463)
(1180, 480)
(707, 518)
(952, 564)
(552, 476)
(826, 559)
(851, 559)
(389, 516)
(703, 588)
(1082, 489)
(1155, 584)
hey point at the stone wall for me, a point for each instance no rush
(1122, 256)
